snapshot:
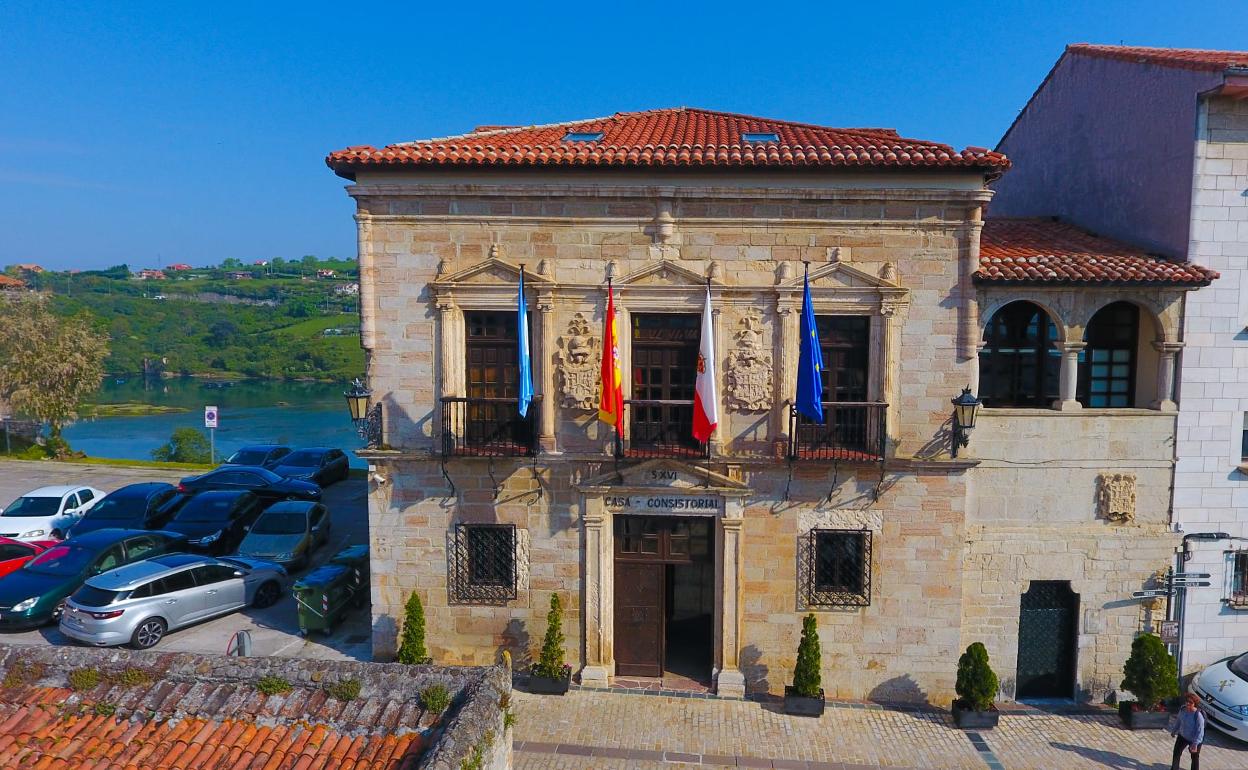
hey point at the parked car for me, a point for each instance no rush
(15, 553)
(138, 603)
(287, 533)
(320, 465)
(261, 481)
(216, 521)
(1223, 691)
(264, 455)
(35, 594)
(135, 506)
(47, 512)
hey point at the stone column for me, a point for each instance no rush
(729, 681)
(546, 376)
(717, 441)
(598, 604)
(968, 263)
(449, 358)
(890, 314)
(1068, 378)
(1165, 375)
(787, 316)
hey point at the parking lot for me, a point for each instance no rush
(275, 630)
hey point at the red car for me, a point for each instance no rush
(15, 553)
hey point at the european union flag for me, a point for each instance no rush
(810, 362)
(526, 366)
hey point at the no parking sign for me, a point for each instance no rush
(210, 417)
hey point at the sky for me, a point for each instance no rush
(159, 132)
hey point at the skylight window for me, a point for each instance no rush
(762, 137)
(582, 136)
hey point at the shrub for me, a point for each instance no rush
(1151, 673)
(435, 699)
(807, 679)
(83, 678)
(347, 689)
(412, 645)
(273, 685)
(186, 445)
(977, 682)
(550, 663)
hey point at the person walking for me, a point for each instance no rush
(1188, 729)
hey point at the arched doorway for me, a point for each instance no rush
(1107, 379)
(1048, 626)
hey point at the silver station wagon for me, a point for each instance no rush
(138, 603)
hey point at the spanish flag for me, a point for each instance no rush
(611, 406)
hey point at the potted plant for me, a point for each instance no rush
(1151, 675)
(412, 643)
(550, 675)
(977, 689)
(805, 697)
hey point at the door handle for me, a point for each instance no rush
(213, 591)
(171, 601)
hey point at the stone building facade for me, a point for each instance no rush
(1186, 112)
(683, 561)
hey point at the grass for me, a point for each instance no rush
(128, 409)
(109, 461)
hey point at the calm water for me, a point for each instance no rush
(251, 412)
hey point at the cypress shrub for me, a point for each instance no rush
(807, 678)
(1151, 673)
(412, 645)
(550, 662)
(977, 682)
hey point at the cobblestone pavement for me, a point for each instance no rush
(557, 733)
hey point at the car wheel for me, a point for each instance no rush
(148, 634)
(266, 595)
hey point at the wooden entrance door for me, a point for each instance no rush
(1047, 628)
(639, 627)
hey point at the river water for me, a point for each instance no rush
(251, 412)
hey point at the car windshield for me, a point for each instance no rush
(114, 509)
(281, 524)
(33, 506)
(90, 596)
(248, 457)
(302, 459)
(205, 510)
(61, 560)
(1239, 666)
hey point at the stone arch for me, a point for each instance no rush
(1154, 316)
(994, 304)
(1020, 356)
(1121, 358)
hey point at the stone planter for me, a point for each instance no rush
(970, 719)
(543, 686)
(800, 705)
(1142, 720)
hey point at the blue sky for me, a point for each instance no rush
(146, 132)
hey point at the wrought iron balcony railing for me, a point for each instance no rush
(488, 427)
(852, 431)
(659, 428)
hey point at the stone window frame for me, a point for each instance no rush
(1237, 583)
(815, 597)
(467, 589)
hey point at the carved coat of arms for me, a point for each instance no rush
(1116, 496)
(578, 366)
(749, 378)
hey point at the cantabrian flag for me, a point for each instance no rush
(705, 389)
(611, 405)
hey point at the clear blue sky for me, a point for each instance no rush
(138, 131)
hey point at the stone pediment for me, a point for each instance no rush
(839, 275)
(665, 476)
(664, 273)
(494, 271)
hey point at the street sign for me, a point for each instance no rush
(1169, 632)
(1198, 575)
(1190, 583)
(210, 416)
(1150, 593)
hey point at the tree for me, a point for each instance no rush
(230, 263)
(186, 445)
(550, 662)
(310, 261)
(1150, 673)
(807, 677)
(412, 645)
(977, 682)
(49, 365)
(222, 334)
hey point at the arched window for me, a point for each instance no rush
(1019, 363)
(1107, 371)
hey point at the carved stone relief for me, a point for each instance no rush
(1116, 496)
(578, 366)
(749, 376)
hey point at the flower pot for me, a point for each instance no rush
(970, 719)
(1142, 720)
(802, 706)
(545, 686)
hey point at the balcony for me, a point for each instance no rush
(488, 427)
(852, 431)
(659, 428)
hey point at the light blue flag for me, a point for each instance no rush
(810, 362)
(526, 366)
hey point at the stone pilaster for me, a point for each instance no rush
(546, 375)
(1068, 377)
(1167, 352)
(788, 316)
(368, 281)
(890, 353)
(599, 587)
(729, 681)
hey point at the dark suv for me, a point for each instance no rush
(216, 521)
(135, 506)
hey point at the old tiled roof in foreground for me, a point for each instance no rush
(1183, 58)
(1045, 251)
(678, 137)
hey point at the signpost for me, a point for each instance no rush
(210, 422)
(1169, 632)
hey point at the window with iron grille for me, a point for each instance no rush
(483, 569)
(1239, 580)
(838, 569)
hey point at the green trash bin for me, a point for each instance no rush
(323, 597)
(355, 557)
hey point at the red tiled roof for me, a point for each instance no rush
(1044, 251)
(679, 137)
(12, 283)
(1185, 58)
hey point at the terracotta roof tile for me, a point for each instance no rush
(1046, 251)
(1184, 58)
(679, 137)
